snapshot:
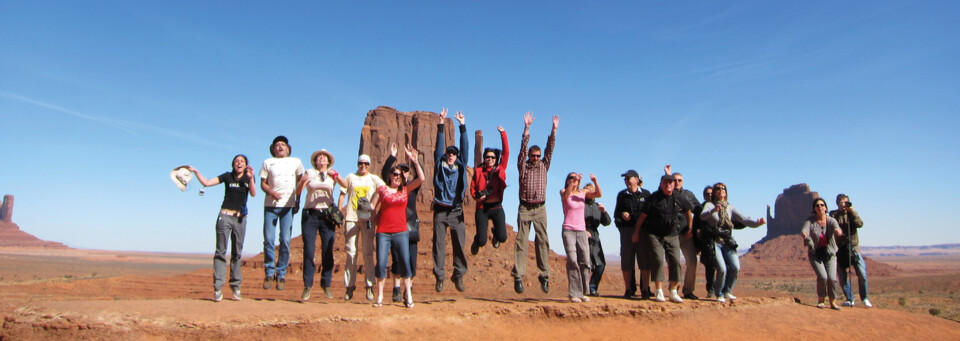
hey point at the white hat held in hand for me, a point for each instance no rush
(181, 176)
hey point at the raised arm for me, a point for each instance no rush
(524, 139)
(666, 170)
(597, 192)
(387, 165)
(569, 187)
(464, 141)
(412, 156)
(505, 153)
(551, 142)
(203, 181)
(737, 216)
(441, 144)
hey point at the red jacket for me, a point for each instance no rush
(498, 180)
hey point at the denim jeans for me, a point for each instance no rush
(230, 231)
(311, 225)
(271, 216)
(861, 268)
(395, 264)
(401, 242)
(728, 268)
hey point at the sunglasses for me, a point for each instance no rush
(489, 156)
(396, 174)
(821, 205)
(721, 188)
(535, 155)
(363, 163)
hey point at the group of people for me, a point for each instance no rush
(379, 213)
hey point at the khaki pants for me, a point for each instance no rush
(537, 215)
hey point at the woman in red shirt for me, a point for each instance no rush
(489, 181)
(391, 204)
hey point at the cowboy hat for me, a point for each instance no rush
(181, 176)
(313, 157)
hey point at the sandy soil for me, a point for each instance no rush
(149, 296)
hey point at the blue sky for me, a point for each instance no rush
(99, 100)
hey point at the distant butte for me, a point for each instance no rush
(12, 236)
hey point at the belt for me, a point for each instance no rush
(439, 207)
(229, 212)
(531, 204)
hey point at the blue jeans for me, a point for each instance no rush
(861, 268)
(728, 268)
(400, 241)
(271, 215)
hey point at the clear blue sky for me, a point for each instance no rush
(100, 99)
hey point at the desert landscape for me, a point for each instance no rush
(49, 290)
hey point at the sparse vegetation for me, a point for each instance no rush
(935, 312)
(902, 301)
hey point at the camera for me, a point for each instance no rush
(848, 204)
(482, 193)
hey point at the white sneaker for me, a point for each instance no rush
(866, 303)
(848, 304)
(674, 297)
(730, 296)
(585, 299)
(236, 294)
(659, 297)
(721, 299)
(217, 296)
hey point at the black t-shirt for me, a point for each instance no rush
(235, 191)
(662, 213)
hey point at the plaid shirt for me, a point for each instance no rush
(533, 175)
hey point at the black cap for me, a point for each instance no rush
(453, 150)
(666, 176)
(632, 173)
(404, 167)
(280, 138)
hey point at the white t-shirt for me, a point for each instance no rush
(360, 186)
(319, 192)
(281, 174)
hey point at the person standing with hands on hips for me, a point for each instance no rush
(278, 180)
(231, 224)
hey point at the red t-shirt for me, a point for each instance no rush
(393, 210)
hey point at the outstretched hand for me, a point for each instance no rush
(459, 117)
(411, 154)
(593, 177)
(443, 115)
(500, 129)
(556, 121)
(666, 170)
(527, 119)
(393, 149)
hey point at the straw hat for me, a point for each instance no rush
(313, 157)
(181, 176)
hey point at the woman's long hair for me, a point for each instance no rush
(403, 179)
(244, 161)
(814, 205)
(716, 189)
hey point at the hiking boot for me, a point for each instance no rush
(866, 303)
(236, 294)
(267, 282)
(306, 294)
(496, 243)
(645, 294)
(349, 295)
(690, 296)
(327, 292)
(545, 284)
(217, 295)
(396, 295)
(628, 294)
(370, 294)
(593, 292)
(848, 303)
(281, 284)
(711, 296)
(518, 285)
(439, 286)
(458, 283)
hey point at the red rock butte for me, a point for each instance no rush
(12, 236)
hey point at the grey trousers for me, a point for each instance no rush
(536, 215)
(229, 228)
(668, 246)
(825, 266)
(453, 218)
(577, 247)
(689, 249)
